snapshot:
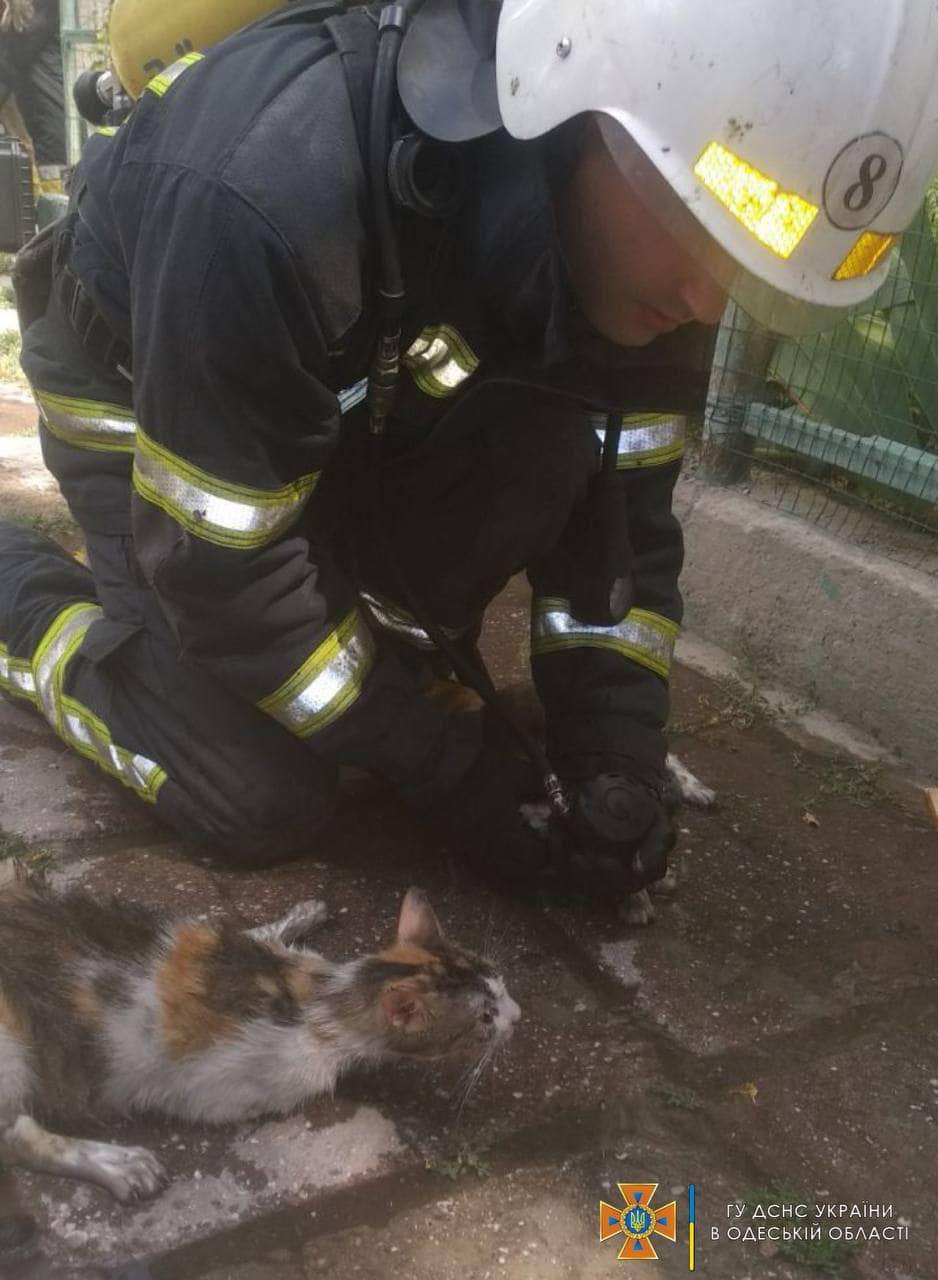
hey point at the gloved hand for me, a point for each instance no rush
(621, 832)
(483, 812)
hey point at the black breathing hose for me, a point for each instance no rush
(385, 369)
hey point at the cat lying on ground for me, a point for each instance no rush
(111, 1006)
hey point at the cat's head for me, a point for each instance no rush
(428, 997)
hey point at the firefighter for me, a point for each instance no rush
(577, 186)
(31, 70)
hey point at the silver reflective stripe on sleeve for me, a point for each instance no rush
(440, 360)
(327, 683)
(217, 511)
(87, 424)
(647, 439)
(391, 617)
(16, 676)
(645, 637)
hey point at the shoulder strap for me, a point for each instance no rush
(355, 35)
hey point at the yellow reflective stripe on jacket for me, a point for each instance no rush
(327, 683)
(16, 676)
(73, 722)
(166, 79)
(87, 424)
(440, 360)
(647, 439)
(395, 619)
(644, 637)
(226, 514)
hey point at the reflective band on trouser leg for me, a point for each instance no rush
(440, 361)
(75, 723)
(327, 683)
(647, 439)
(87, 424)
(166, 79)
(645, 637)
(391, 617)
(16, 676)
(217, 511)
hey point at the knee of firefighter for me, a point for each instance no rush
(262, 826)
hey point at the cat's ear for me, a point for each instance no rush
(404, 1007)
(418, 924)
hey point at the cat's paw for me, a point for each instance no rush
(692, 791)
(666, 887)
(638, 909)
(129, 1173)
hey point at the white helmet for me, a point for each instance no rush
(801, 137)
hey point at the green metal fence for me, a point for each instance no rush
(83, 24)
(842, 427)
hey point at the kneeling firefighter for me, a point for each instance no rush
(541, 205)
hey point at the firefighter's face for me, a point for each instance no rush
(634, 281)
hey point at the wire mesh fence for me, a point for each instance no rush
(842, 428)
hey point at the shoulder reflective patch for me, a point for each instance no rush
(215, 510)
(166, 79)
(16, 676)
(644, 637)
(80, 728)
(647, 439)
(441, 360)
(87, 424)
(327, 683)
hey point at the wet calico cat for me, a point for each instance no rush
(111, 1006)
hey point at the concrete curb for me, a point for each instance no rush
(843, 628)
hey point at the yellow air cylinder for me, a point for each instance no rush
(146, 36)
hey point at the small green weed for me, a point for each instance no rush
(6, 263)
(830, 1257)
(7, 296)
(852, 780)
(13, 847)
(677, 1096)
(462, 1162)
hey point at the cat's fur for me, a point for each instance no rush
(110, 1006)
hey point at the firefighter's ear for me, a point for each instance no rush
(404, 1007)
(418, 924)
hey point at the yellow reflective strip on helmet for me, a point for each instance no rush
(53, 653)
(327, 683)
(646, 439)
(870, 249)
(16, 676)
(644, 637)
(779, 219)
(87, 424)
(440, 361)
(90, 737)
(215, 510)
(166, 79)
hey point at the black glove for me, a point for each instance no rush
(621, 833)
(483, 811)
